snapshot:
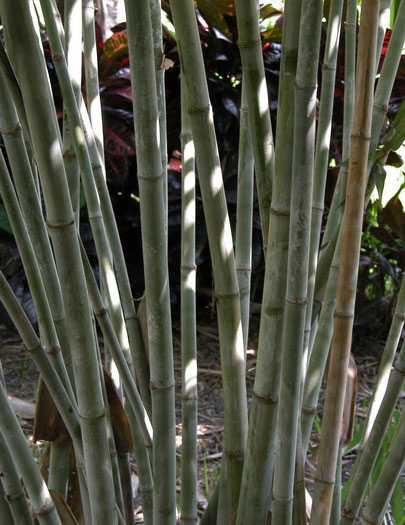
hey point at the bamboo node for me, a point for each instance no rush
(361, 136)
(249, 43)
(53, 350)
(347, 513)
(92, 417)
(219, 295)
(14, 497)
(161, 388)
(310, 411)
(128, 317)
(266, 400)
(188, 267)
(400, 316)
(46, 508)
(57, 57)
(327, 67)
(96, 215)
(153, 178)
(296, 300)
(324, 481)
(11, 131)
(199, 109)
(59, 225)
(281, 212)
(344, 316)
(383, 107)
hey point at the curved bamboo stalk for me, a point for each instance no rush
(60, 220)
(221, 248)
(5, 513)
(91, 73)
(13, 489)
(349, 260)
(244, 216)
(367, 457)
(151, 187)
(381, 492)
(386, 360)
(73, 50)
(156, 18)
(322, 330)
(43, 507)
(189, 469)
(324, 131)
(260, 454)
(292, 365)
(257, 98)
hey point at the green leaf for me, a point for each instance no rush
(398, 504)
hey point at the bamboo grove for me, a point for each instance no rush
(310, 280)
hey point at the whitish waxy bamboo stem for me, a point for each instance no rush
(244, 216)
(298, 259)
(381, 492)
(156, 17)
(12, 486)
(221, 249)
(322, 331)
(322, 150)
(60, 219)
(43, 507)
(188, 323)
(386, 360)
(257, 98)
(259, 462)
(365, 461)
(151, 187)
(73, 49)
(91, 73)
(349, 260)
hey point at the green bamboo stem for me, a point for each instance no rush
(33, 274)
(60, 219)
(43, 507)
(292, 365)
(261, 135)
(337, 492)
(13, 488)
(126, 486)
(349, 261)
(381, 100)
(73, 49)
(221, 249)
(156, 18)
(59, 466)
(387, 359)
(260, 454)
(244, 216)
(188, 515)
(380, 494)
(151, 187)
(322, 151)
(5, 513)
(138, 419)
(367, 457)
(137, 348)
(91, 73)
(111, 340)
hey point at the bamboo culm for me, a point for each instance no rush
(244, 216)
(257, 99)
(189, 470)
(260, 453)
(61, 225)
(368, 455)
(349, 260)
(221, 250)
(151, 187)
(298, 259)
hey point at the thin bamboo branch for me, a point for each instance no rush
(367, 457)
(13, 488)
(188, 324)
(244, 216)
(151, 187)
(257, 98)
(60, 219)
(260, 455)
(221, 249)
(349, 260)
(298, 259)
(44, 509)
(381, 492)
